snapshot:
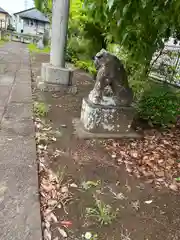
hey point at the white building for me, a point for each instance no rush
(4, 19)
(30, 21)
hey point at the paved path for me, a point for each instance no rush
(19, 203)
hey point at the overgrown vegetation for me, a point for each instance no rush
(33, 48)
(1, 42)
(160, 105)
(40, 109)
(140, 27)
(134, 31)
(85, 36)
(4, 40)
(90, 184)
(101, 212)
(96, 24)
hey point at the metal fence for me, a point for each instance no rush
(166, 65)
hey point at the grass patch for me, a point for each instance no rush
(33, 48)
(40, 109)
(2, 42)
(101, 212)
(61, 172)
(90, 184)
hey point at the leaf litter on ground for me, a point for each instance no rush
(53, 192)
(155, 157)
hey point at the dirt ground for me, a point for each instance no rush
(88, 172)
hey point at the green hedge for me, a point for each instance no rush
(160, 105)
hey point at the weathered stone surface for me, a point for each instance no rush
(1, 112)
(4, 94)
(56, 75)
(19, 111)
(107, 112)
(21, 92)
(19, 203)
(20, 77)
(3, 68)
(50, 87)
(6, 80)
(111, 74)
(17, 149)
(59, 32)
(19, 200)
(21, 127)
(103, 119)
(82, 133)
(10, 68)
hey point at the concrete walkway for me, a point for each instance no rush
(19, 200)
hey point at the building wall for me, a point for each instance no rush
(29, 26)
(17, 23)
(34, 27)
(4, 20)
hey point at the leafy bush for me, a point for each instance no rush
(46, 38)
(160, 105)
(79, 52)
(70, 54)
(73, 49)
(33, 48)
(88, 66)
(40, 109)
(139, 87)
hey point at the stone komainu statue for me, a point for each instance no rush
(111, 73)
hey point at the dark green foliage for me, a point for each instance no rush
(46, 38)
(139, 26)
(44, 6)
(85, 36)
(70, 54)
(139, 87)
(160, 105)
(78, 53)
(88, 66)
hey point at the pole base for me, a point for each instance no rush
(54, 78)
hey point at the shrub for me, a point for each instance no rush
(160, 105)
(79, 52)
(33, 48)
(70, 54)
(88, 66)
(80, 48)
(139, 87)
(46, 38)
(40, 109)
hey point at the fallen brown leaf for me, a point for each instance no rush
(155, 157)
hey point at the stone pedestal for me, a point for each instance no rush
(104, 121)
